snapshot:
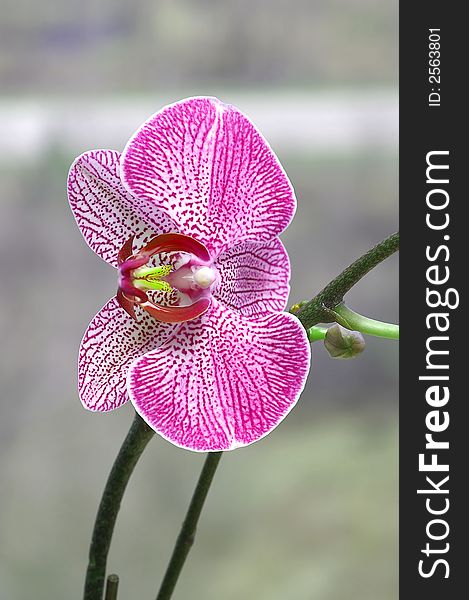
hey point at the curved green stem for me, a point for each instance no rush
(348, 318)
(187, 534)
(357, 322)
(134, 444)
(321, 308)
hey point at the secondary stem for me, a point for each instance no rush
(321, 308)
(357, 322)
(112, 587)
(187, 533)
(134, 444)
(348, 318)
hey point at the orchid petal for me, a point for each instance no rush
(106, 213)
(111, 342)
(223, 381)
(206, 165)
(255, 277)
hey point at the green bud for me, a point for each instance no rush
(343, 343)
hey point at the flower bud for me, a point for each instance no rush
(343, 343)
(297, 307)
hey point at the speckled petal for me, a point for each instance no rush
(111, 342)
(207, 166)
(106, 213)
(254, 277)
(223, 381)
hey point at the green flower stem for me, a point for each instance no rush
(321, 308)
(187, 534)
(348, 318)
(316, 333)
(134, 444)
(352, 320)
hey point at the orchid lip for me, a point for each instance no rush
(177, 314)
(135, 279)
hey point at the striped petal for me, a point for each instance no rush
(207, 166)
(223, 381)
(106, 213)
(254, 277)
(111, 342)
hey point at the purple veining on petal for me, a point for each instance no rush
(254, 277)
(223, 381)
(111, 342)
(106, 213)
(206, 165)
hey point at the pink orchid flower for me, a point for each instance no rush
(196, 338)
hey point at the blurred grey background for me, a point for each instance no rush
(311, 511)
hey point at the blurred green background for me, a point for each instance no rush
(310, 512)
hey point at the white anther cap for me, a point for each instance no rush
(204, 277)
